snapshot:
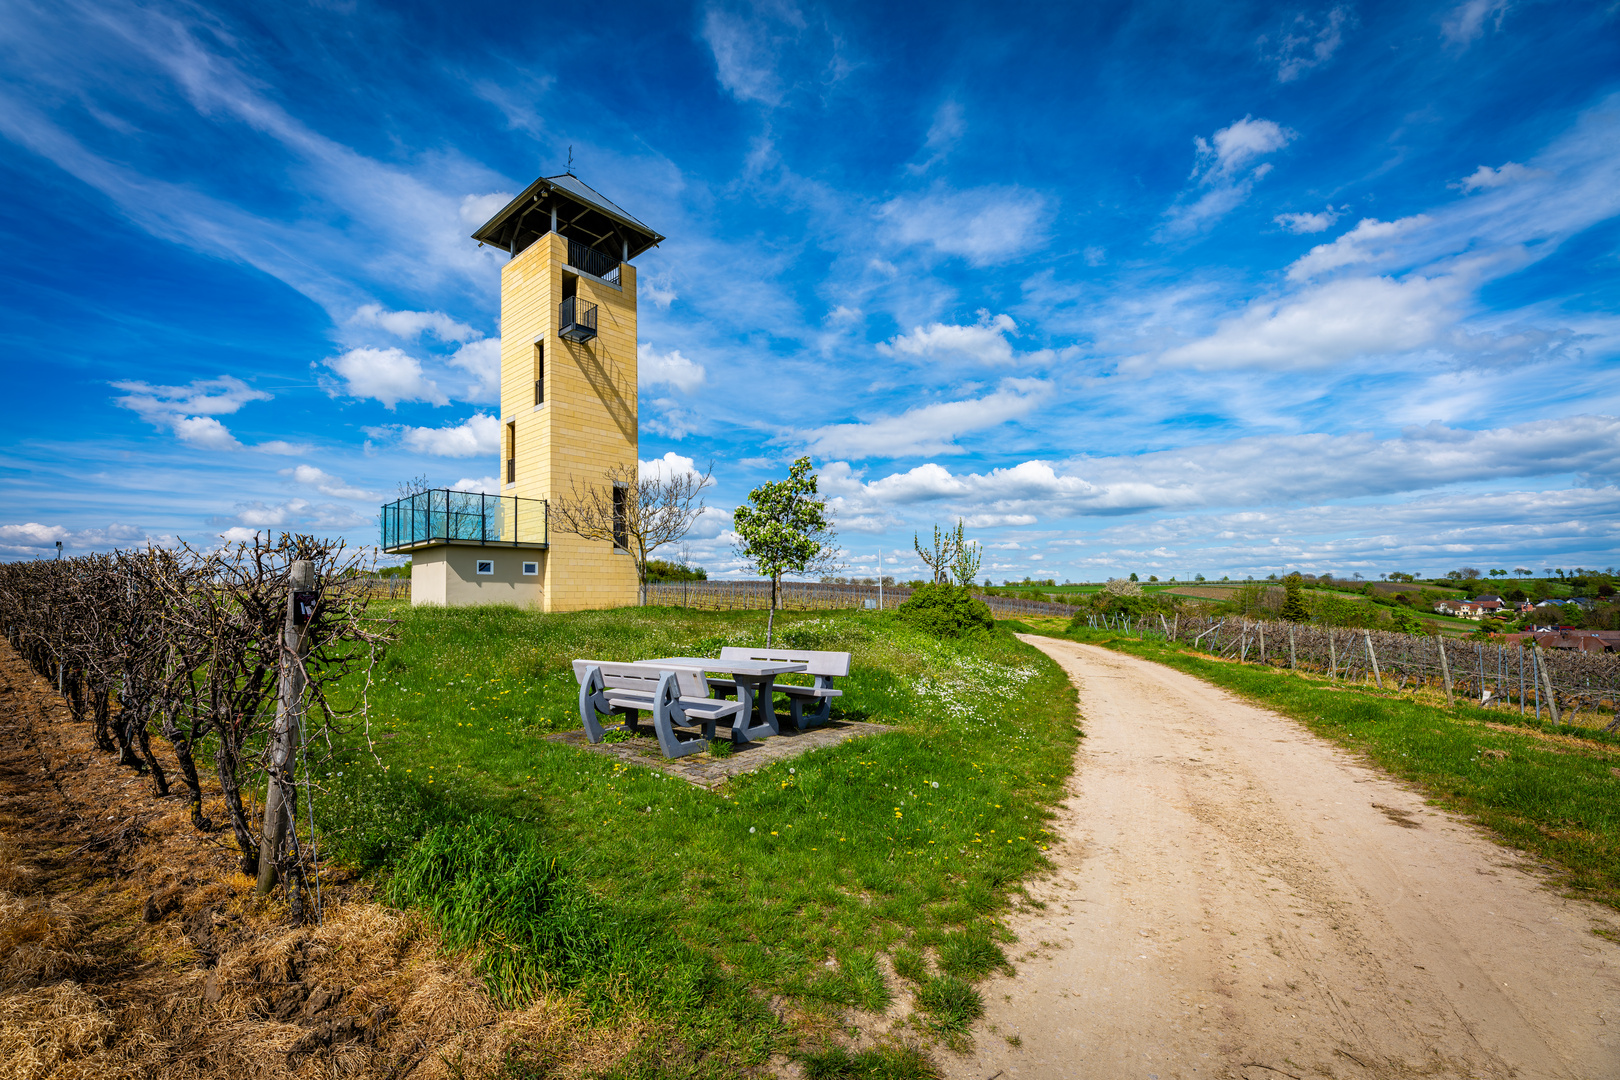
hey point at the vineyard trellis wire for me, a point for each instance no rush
(189, 645)
(1535, 681)
(818, 595)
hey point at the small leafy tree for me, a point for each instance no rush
(965, 566)
(637, 513)
(1294, 609)
(938, 560)
(784, 528)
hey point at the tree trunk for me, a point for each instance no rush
(225, 759)
(188, 771)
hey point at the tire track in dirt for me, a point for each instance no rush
(1235, 897)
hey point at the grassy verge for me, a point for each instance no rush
(1554, 792)
(642, 895)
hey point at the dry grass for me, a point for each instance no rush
(128, 949)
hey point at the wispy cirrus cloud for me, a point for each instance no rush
(190, 412)
(1226, 168)
(1308, 42)
(926, 429)
(983, 225)
(1467, 22)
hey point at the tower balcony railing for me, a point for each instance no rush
(442, 516)
(576, 319)
(596, 263)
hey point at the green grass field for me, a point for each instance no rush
(641, 895)
(1552, 795)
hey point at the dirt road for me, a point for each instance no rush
(1237, 898)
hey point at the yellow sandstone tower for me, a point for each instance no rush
(568, 413)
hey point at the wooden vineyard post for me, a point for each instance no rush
(288, 731)
(1378, 679)
(1262, 643)
(1521, 680)
(1291, 664)
(1445, 670)
(1552, 695)
(1333, 657)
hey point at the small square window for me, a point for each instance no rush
(531, 568)
(486, 566)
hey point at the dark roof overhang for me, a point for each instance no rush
(583, 214)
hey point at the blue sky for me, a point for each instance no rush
(1169, 288)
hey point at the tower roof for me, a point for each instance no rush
(583, 214)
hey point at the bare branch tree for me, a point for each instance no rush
(636, 514)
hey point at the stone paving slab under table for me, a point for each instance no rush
(706, 770)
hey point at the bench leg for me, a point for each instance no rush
(757, 703)
(590, 701)
(814, 718)
(667, 714)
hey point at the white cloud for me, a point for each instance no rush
(654, 368)
(1485, 177)
(486, 485)
(475, 210)
(283, 448)
(671, 419)
(982, 225)
(943, 135)
(668, 466)
(993, 521)
(1308, 223)
(188, 411)
(1232, 148)
(658, 288)
(1269, 470)
(324, 482)
(927, 429)
(478, 434)
(1309, 44)
(1095, 255)
(32, 539)
(1326, 325)
(205, 433)
(389, 375)
(984, 341)
(745, 56)
(360, 219)
(1225, 169)
(411, 325)
(1368, 241)
(1466, 22)
(482, 360)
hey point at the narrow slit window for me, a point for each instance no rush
(621, 517)
(511, 452)
(539, 372)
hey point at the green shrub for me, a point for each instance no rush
(946, 611)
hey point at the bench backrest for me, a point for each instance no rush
(620, 676)
(817, 663)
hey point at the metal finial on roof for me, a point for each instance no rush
(570, 169)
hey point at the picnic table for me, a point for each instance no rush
(753, 678)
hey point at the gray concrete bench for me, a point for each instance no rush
(809, 705)
(675, 697)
